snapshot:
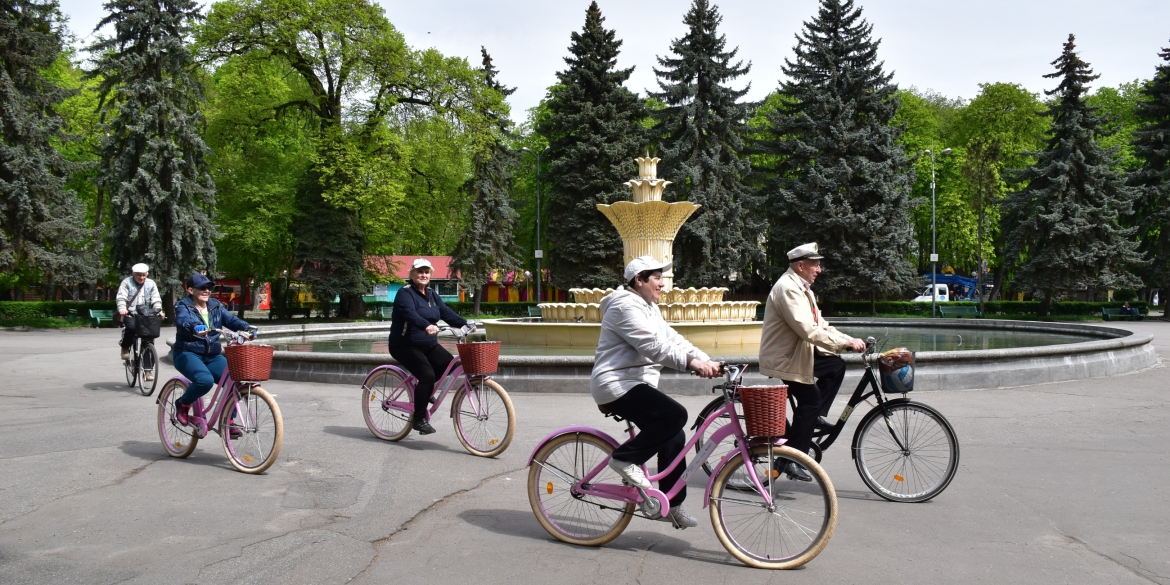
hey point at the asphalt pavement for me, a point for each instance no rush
(1058, 483)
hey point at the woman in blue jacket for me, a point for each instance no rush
(197, 354)
(414, 337)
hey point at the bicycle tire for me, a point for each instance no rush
(388, 425)
(737, 519)
(484, 435)
(148, 363)
(179, 441)
(131, 365)
(255, 416)
(569, 517)
(916, 474)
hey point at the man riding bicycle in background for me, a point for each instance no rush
(135, 291)
(798, 346)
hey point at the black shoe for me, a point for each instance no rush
(795, 471)
(824, 424)
(424, 428)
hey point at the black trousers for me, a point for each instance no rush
(814, 400)
(129, 332)
(660, 420)
(426, 364)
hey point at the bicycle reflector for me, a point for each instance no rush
(897, 370)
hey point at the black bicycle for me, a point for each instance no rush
(905, 451)
(143, 364)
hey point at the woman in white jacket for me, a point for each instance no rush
(635, 344)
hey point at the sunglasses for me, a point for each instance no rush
(205, 288)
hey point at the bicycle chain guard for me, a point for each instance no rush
(654, 503)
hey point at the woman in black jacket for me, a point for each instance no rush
(414, 337)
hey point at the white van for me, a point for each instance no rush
(943, 292)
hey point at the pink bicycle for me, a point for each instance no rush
(244, 414)
(761, 519)
(482, 411)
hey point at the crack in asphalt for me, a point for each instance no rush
(377, 544)
(642, 561)
(117, 481)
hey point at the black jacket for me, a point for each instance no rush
(413, 313)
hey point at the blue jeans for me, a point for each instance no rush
(202, 371)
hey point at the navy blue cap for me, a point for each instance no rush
(198, 281)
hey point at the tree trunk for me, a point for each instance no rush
(168, 300)
(1045, 305)
(997, 290)
(873, 303)
(351, 306)
(246, 282)
(475, 310)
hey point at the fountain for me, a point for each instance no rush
(648, 226)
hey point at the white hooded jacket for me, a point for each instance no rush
(635, 344)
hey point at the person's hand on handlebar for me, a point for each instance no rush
(856, 344)
(706, 369)
(432, 330)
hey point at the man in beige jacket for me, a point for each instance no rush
(799, 347)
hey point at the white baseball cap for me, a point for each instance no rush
(421, 263)
(642, 264)
(140, 268)
(804, 252)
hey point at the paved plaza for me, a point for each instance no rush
(1058, 483)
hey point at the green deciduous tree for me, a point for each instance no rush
(154, 166)
(700, 133)
(594, 129)
(842, 180)
(1151, 147)
(42, 221)
(1064, 230)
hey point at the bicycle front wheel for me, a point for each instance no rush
(789, 532)
(484, 418)
(728, 444)
(913, 458)
(131, 366)
(565, 513)
(252, 430)
(386, 423)
(178, 440)
(148, 360)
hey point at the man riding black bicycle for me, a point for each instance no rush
(798, 346)
(134, 292)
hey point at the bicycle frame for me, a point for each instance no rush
(868, 380)
(199, 416)
(447, 382)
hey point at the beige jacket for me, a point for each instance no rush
(791, 334)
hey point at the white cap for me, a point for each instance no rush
(642, 264)
(804, 252)
(421, 263)
(140, 268)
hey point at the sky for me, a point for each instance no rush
(946, 46)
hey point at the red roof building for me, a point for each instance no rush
(399, 266)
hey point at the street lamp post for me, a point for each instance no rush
(539, 251)
(933, 237)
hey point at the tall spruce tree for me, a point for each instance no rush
(700, 135)
(841, 179)
(488, 242)
(1064, 232)
(1151, 144)
(154, 162)
(594, 132)
(42, 224)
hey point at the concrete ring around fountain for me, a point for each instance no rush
(1115, 351)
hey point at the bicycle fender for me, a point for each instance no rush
(180, 378)
(567, 430)
(873, 412)
(723, 463)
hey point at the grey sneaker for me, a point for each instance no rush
(148, 376)
(679, 517)
(631, 472)
(125, 355)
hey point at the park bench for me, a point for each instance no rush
(386, 312)
(534, 312)
(960, 312)
(290, 312)
(96, 316)
(1114, 314)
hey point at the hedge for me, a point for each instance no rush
(991, 308)
(12, 310)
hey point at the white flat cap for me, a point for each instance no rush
(642, 264)
(421, 263)
(804, 252)
(140, 268)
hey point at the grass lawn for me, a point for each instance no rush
(45, 323)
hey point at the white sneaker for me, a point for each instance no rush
(631, 472)
(679, 517)
(125, 355)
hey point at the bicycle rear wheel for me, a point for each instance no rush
(489, 432)
(918, 470)
(388, 424)
(148, 360)
(131, 365)
(784, 535)
(252, 430)
(178, 440)
(568, 515)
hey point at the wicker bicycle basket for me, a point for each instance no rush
(479, 357)
(763, 409)
(249, 362)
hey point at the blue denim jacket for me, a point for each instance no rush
(187, 318)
